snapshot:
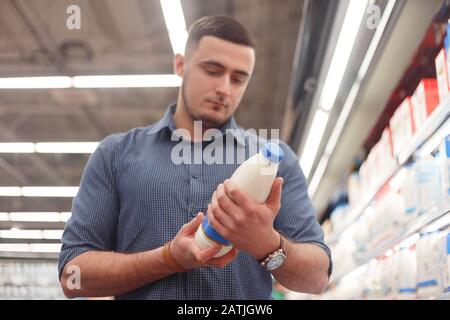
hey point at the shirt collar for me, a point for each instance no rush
(167, 122)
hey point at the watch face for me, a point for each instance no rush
(275, 262)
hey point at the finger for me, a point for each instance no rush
(193, 225)
(225, 202)
(207, 254)
(237, 195)
(215, 223)
(221, 217)
(224, 260)
(274, 199)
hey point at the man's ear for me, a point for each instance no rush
(178, 64)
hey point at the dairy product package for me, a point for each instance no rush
(402, 125)
(444, 152)
(446, 262)
(255, 177)
(442, 76)
(424, 101)
(407, 273)
(428, 267)
(422, 186)
(353, 189)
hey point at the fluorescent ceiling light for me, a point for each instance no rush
(347, 35)
(21, 234)
(45, 247)
(35, 216)
(94, 81)
(312, 144)
(348, 105)
(48, 147)
(65, 216)
(66, 147)
(10, 191)
(318, 173)
(34, 247)
(31, 234)
(49, 191)
(127, 81)
(17, 147)
(35, 82)
(175, 24)
(15, 247)
(38, 191)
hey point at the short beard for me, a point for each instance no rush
(206, 122)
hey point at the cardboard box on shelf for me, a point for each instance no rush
(442, 76)
(424, 101)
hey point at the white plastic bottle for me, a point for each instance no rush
(254, 176)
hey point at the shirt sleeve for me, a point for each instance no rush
(297, 218)
(95, 208)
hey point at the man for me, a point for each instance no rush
(133, 222)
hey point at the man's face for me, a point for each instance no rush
(215, 77)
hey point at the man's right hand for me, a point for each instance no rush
(186, 253)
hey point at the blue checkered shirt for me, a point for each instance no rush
(133, 198)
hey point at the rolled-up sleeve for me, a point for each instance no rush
(297, 219)
(92, 226)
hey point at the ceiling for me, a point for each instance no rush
(116, 37)
(130, 37)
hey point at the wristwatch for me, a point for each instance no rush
(276, 259)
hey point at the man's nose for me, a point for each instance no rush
(223, 86)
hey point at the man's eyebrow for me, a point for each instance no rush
(219, 65)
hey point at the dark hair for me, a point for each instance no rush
(221, 27)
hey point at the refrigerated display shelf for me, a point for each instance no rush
(439, 118)
(413, 227)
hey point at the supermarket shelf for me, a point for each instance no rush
(437, 118)
(413, 227)
(440, 117)
(358, 209)
(443, 296)
(422, 221)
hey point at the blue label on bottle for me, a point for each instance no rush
(213, 234)
(428, 283)
(448, 243)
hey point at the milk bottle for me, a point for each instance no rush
(254, 176)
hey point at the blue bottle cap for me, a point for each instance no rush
(272, 152)
(213, 234)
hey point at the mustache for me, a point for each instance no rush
(218, 100)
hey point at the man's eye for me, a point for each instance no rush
(212, 71)
(238, 80)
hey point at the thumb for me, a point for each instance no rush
(274, 199)
(193, 225)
